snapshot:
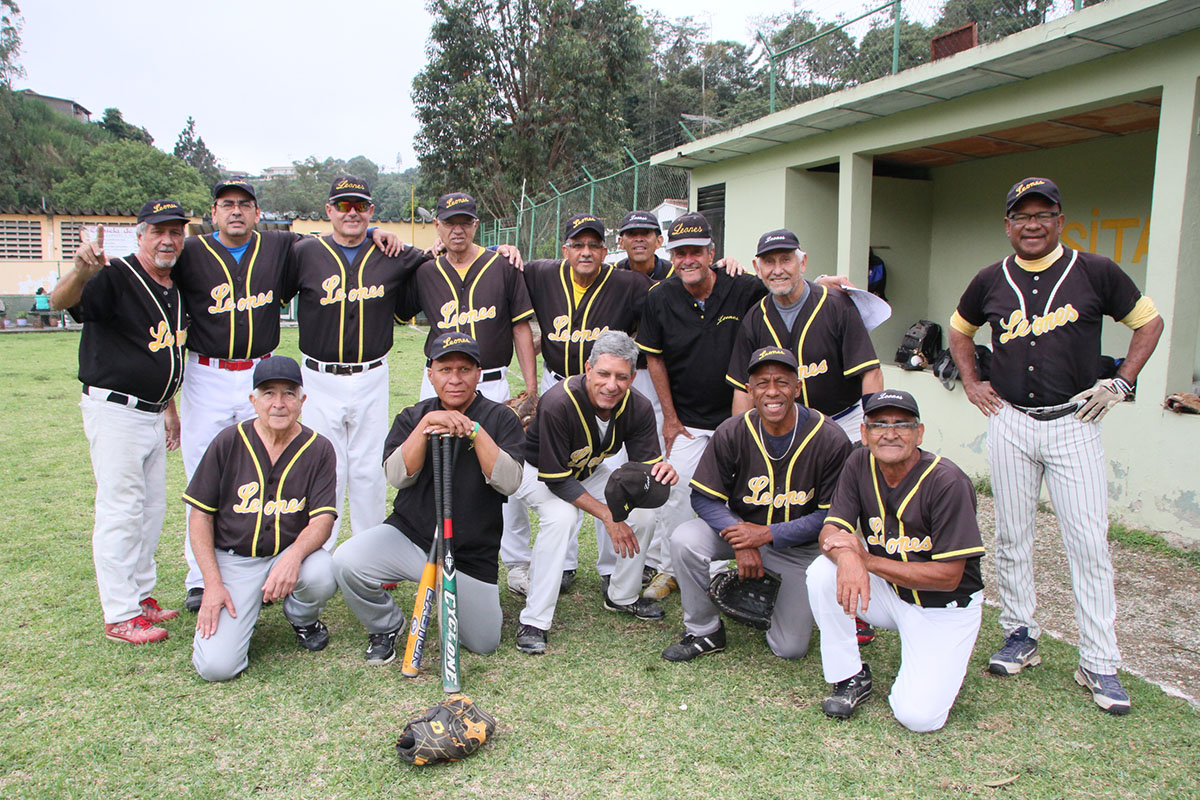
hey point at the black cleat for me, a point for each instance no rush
(689, 646)
(848, 695)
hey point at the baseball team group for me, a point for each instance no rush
(705, 417)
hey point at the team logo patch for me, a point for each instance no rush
(760, 494)
(166, 207)
(349, 184)
(1024, 187)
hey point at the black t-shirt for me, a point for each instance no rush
(259, 508)
(929, 516)
(478, 520)
(1046, 325)
(134, 332)
(696, 343)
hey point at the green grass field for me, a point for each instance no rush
(601, 715)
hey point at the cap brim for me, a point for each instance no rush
(701, 242)
(345, 195)
(442, 217)
(1030, 193)
(154, 219)
(639, 226)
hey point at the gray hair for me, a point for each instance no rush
(141, 228)
(615, 343)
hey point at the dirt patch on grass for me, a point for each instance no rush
(1158, 601)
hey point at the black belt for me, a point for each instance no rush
(556, 376)
(1041, 415)
(124, 400)
(487, 375)
(341, 369)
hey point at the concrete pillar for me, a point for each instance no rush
(854, 216)
(1173, 263)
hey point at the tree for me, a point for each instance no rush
(192, 150)
(994, 18)
(125, 174)
(875, 49)
(38, 148)
(10, 43)
(522, 89)
(115, 123)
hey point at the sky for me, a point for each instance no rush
(272, 83)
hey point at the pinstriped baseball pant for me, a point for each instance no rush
(1069, 456)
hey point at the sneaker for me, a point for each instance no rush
(1019, 651)
(848, 695)
(381, 647)
(531, 640)
(640, 608)
(1106, 690)
(691, 646)
(648, 574)
(387, 587)
(864, 630)
(135, 631)
(312, 637)
(195, 596)
(152, 611)
(660, 586)
(568, 580)
(518, 579)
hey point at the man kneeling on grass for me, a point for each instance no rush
(919, 574)
(262, 503)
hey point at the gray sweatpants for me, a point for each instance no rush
(222, 656)
(384, 555)
(694, 545)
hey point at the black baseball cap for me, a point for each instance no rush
(454, 342)
(455, 203)
(690, 229)
(348, 186)
(235, 183)
(892, 398)
(639, 221)
(781, 239)
(1021, 189)
(277, 368)
(157, 211)
(584, 222)
(776, 355)
(632, 486)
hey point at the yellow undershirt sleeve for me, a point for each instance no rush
(962, 326)
(1143, 311)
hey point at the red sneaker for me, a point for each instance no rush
(135, 631)
(388, 586)
(864, 630)
(152, 612)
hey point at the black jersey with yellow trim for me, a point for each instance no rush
(347, 312)
(613, 301)
(831, 344)
(259, 508)
(565, 441)
(929, 516)
(484, 303)
(736, 469)
(234, 306)
(135, 332)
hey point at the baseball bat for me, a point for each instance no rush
(426, 599)
(451, 678)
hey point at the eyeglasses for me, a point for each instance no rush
(346, 206)
(230, 205)
(579, 246)
(898, 427)
(1041, 216)
(463, 225)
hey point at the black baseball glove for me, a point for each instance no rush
(750, 601)
(451, 730)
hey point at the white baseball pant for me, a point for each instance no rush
(559, 524)
(935, 644)
(1069, 455)
(685, 456)
(352, 412)
(211, 400)
(129, 460)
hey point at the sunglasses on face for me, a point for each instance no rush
(346, 206)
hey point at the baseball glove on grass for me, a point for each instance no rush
(525, 407)
(750, 602)
(450, 731)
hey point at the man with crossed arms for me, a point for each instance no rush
(918, 574)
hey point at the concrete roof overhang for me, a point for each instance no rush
(1110, 27)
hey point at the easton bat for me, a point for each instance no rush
(426, 600)
(451, 679)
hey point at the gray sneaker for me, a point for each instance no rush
(518, 579)
(531, 640)
(848, 694)
(568, 580)
(1020, 650)
(1106, 690)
